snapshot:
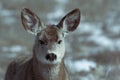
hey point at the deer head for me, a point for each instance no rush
(49, 47)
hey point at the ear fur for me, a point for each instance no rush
(30, 21)
(71, 21)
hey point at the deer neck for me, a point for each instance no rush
(47, 71)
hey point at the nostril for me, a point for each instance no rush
(51, 57)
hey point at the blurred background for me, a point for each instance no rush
(92, 51)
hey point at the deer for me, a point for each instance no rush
(47, 60)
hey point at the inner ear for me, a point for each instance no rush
(71, 21)
(30, 21)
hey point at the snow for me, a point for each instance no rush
(97, 35)
(86, 27)
(101, 40)
(11, 51)
(14, 48)
(83, 65)
(8, 16)
(115, 29)
(95, 31)
(8, 20)
(55, 14)
(58, 11)
(6, 13)
(62, 1)
(80, 65)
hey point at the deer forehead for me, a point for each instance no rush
(51, 33)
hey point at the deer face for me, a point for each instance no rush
(49, 47)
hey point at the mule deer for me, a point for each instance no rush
(46, 63)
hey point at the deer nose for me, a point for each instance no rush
(51, 57)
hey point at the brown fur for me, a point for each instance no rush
(51, 32)
(28, 68)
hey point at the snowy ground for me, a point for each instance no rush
(95, 50)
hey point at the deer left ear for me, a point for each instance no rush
(31, 21)
(71, 21)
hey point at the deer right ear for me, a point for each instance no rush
(30, 21)
(70, 22)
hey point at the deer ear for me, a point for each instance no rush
(71, 21)
(30, 21)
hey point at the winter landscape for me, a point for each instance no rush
(92, 51)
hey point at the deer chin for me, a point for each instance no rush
(50, 62)
(53, 62)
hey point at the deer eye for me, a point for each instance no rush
(41, 42)
(59, 42)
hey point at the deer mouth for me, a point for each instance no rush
(51, 57)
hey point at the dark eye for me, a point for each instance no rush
(59, 42)
(41, 42)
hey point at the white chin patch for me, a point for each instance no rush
(53, 62)
(45, 61)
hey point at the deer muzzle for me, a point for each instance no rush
(51, 57)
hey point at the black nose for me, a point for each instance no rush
(51, 57)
